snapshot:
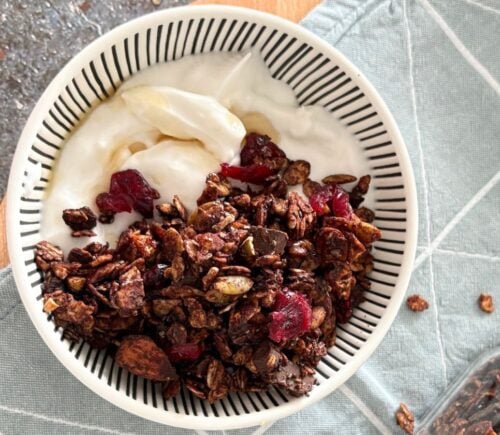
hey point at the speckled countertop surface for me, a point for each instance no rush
(36, 39)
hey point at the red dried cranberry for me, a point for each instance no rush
(291, 316)
(255, 174)
(184, 352)
(259, 149)
(154, 277)
(128, 191)
(340, 203)
(109, 203)
(331, 196)
(320, 198)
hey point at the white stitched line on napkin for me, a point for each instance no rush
(367, 412)
(426, 191)
(366, 376)
(462, 49)
(263, 429)
(480, 5)
(60, 421)
(467, 254)
(457, 218)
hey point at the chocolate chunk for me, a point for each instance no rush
(266, 358)
(267, 241)
(289, 377)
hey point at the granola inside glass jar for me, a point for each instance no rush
(471, 406)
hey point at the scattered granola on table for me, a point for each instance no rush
(417, 303)
(485, 302)
(405, 419)
(242, 294)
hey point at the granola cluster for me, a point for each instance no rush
(242, 294)
(405, 419)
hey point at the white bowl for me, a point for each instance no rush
(318, 74)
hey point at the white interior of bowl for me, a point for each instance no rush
(319, 75)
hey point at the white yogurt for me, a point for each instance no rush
(175, 123)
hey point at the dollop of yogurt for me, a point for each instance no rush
(175, 123)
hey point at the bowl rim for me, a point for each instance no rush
(159, 415)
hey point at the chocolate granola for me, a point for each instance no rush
(474, 408)
(242, 294)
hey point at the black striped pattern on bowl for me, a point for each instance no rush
(316, 79)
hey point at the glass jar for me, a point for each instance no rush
(471, 405)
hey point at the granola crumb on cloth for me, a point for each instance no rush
(417, 303)
(485, 302)
(405, 419)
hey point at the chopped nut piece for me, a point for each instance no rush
(142, 357)
(339, 179)
(405, 419)
(486, 303)
(76, 283)
(132, 245)
(417, 303)
(69, 312)
(179, 206)
(365, 214)
(318, 317)
(47, 253)
(331, 245)
(297, 172)
(83, 233)
(248, 248)
(309, 186)
(300, 217)
(233, 285)
(356, 195)
(128, 297)
(166, 210)
(50, 305)
(79, 219)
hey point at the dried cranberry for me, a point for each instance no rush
(331, 196)
(154, 277)
(340, 203)
(128, 191)
(259, 149)
(255, 173)
(184, 352)
(291, 316)
(110, 204)
(320, 198)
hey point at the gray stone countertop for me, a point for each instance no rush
(36, 39)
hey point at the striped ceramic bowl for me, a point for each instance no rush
(318, 74)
